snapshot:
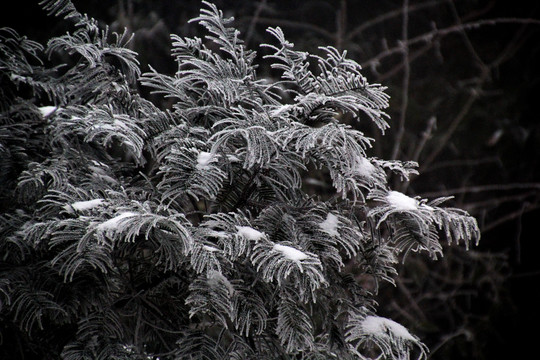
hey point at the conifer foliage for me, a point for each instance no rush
(130, 230)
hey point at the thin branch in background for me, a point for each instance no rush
(341, 24)
(387, 16)
(483, 188)
(425, 136)
(405, 83)
(296, 25)
(251, 29)
(412, 300)
(465, 36)
(507, 53)
(463, 162)
(493, 203)
(518, 233)
(441, 143)
(448, 338)
(440, 33)
(526, 208)
(399, 67)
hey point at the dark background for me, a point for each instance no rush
(490, 163)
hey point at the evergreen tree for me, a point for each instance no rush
(130, 230)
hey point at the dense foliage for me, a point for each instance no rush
(132, 230)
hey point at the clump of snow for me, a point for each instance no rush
(15, 77)
(280, 109)
(363, 166)
(233, 158)
(427, 207)
(249, 233)
(401, 201)
(381, 326)
(100, 175)
(112, 224)
(316, 182)
(120, 124)
(218, 234)
(47, 110)
(210, 248)
(101, 126)
(290, 252)
(215, 277)
(204, 159)
(330, 225)
(84, 205)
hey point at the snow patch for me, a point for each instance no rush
(215, 277)
(47, 110)
(112, 224)
(210, 248)
(109, 127)
(233, 158)
(363, 166)
(380, 326)
(84, 205)
(249, 233)
(330, 225)
(204, 159)
(280, 110)
(427, 207)
(218, 234)
(290, 252)
(100, 175)
(401, 201)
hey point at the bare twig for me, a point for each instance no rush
(295, 24)
(499, 200)
(412, 300)
(449, 132)
(462, 162)
(387, 16)
(425, 136)
(254, 20)
(483, 188)
(526, 208)
(465, 36)
(399, 67)
(405, 83)
(341, 24)
(439, 33)
(448, 338)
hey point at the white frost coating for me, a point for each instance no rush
(249, 233)
(380, 326)
(84, 205)
(204, 159)
(364, 167)
(290, 252)
(401, 201)
(112, 224)
(47, 110)
(330, 225)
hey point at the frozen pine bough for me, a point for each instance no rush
(187, 233)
